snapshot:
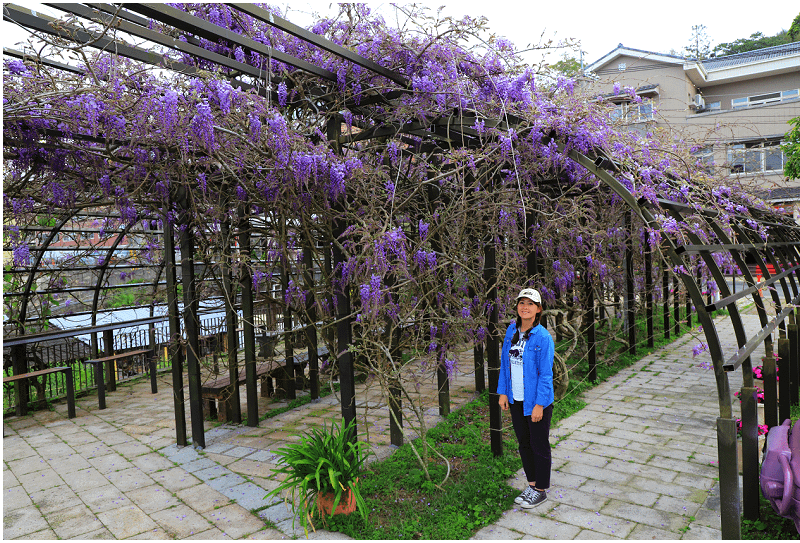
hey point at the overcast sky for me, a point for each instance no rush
(600, 26)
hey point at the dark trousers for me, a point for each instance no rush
(534, 444)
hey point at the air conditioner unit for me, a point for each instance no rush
(699, 103)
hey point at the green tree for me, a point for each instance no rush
(794, 30)
(791, 147)
(757, 40)
(699, 46)
(568, 66)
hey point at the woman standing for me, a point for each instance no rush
(525, 386)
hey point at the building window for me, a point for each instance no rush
(767, 98)
(714, 106)
(621, 66)
(629, 112)
(756, 157)
(705, 158)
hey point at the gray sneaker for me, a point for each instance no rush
(527, 493)
(535, 498)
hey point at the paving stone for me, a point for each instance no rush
(183, 455)
(590, 472)
(180, 521)
(73, 521)
(277, 513)
(38, 480)
(131, 449)
(22, 521)
(42, 535)
(155, 534)
(619, 492)
(126, 521)
(211, 472)
(199, 464)
(577, 498)
(202, 499)
(226, 481)
(70, 464)
(110, 463)
(152, 462)
(705, 533)
(52, 499)
(531, 523)
(103, 498)
(219, 448)
(15, 497)
(214, 534)
(685, 467)
(234, 520)
(592, 520)
(152, 498)
(130, 479)
(85, 479)
(634, 468)
(644, 515)
(677, 506)
(175, 479)
(27, 465)
(581, 457)
(247, 495)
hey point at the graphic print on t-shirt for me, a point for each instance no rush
(515, 359)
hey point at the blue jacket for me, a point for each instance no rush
(537, 364)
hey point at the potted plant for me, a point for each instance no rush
(321, 473)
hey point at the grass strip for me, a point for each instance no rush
(403, 504)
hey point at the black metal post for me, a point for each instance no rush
(730, 514)
(784, 357)
(794, 340)
(665, 300)
(749, 453)
(769, 373)
(21, 390)
(288, 339)
(111, 367)
(648, 287)
(590, 332)
(676, 284)
(192, 327)
(344, 330)
(175, 351)
(630, 301)
(493, 349)
(231, 324)
(311, 313)
(246, 282)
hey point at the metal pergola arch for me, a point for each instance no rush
(442, 131)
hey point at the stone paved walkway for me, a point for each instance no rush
(639, 462)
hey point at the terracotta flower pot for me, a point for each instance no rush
(347, 504)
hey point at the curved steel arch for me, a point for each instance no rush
(23, 308)
(726, 424)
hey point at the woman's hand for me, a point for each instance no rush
(537, 413)
(503, 402)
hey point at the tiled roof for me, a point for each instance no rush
(780, 194)
(768, 53)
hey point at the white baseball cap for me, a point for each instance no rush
(531, 294)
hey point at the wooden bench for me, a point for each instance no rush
(98, 373)
(266, 370)
(67, 370)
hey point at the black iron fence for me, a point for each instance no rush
(74, 351)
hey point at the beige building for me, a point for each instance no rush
(735, 109)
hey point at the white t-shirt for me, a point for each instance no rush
(515, 360)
